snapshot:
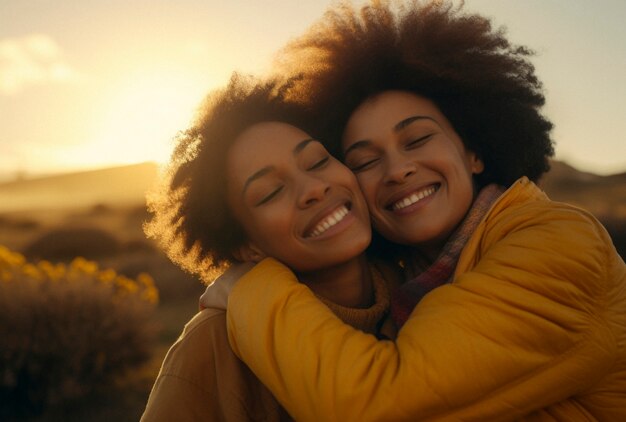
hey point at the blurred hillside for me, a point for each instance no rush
(118, 185)
(603, 196)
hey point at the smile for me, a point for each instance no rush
(329, 221)
(413, 198)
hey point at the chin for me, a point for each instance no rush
(349, 253)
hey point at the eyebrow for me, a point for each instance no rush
(398, 127)
(257, 175)
(265, 170)
(302, 144)
(404, 123)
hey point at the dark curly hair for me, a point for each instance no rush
(191, 218)
(484, 85)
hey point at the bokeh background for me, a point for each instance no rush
(92, 94)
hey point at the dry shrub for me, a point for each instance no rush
(66, 243)
(100, 209)
(18, 223)
(139, 245)
(66, 329)
(174, 284)
(137, 214)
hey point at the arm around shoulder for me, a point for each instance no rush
(497, 343)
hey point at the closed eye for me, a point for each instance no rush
(364, 166)
(319, 164)
(269, 197)
(419, 141)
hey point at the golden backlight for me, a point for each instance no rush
(139, 119)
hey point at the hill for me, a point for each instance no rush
(603, 196)
(113, 186)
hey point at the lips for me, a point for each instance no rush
(411, 198)
(328, 220)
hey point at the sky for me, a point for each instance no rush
(95, 83)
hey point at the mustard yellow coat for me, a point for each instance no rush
(532, 328)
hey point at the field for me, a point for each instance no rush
(108, 229)
(99, 215)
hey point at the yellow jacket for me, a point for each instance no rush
(533, 327)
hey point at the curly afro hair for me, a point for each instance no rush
(191, 218)
(484, 85)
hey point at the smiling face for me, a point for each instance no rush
(413, 169)
(295, 202)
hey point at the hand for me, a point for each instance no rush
(216, 293)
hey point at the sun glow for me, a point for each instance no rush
(140, 119)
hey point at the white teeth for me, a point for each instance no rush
(413, 198)
(329, 221)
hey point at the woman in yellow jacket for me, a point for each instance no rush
(514, 306)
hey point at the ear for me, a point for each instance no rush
(476, 163)
(249, 252)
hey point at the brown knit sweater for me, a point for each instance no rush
(372, 320)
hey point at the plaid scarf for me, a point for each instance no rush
(422, 278)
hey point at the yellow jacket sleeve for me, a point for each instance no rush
(523, 328)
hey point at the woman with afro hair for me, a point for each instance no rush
(514, 306)
(247, 181)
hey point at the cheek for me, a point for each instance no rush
(463, 196)
(468, 197)
(267, 227)
(274, 224)
(369, 186)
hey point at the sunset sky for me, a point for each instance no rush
(88, 84)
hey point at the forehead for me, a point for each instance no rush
(269, 132)
(263, 144)
(383, 111)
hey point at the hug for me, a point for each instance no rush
(509, 306)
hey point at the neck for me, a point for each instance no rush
(347, 284)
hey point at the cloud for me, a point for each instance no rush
(30, 60)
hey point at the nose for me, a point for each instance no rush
(398, 169)
(313, 190)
